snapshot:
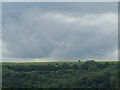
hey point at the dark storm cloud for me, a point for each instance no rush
(60, 30)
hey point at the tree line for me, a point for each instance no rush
(89, 74)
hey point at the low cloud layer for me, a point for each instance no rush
(43, 33)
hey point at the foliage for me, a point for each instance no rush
(89, 74)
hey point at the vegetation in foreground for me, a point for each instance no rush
(90, 74)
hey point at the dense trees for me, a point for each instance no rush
(89, 74)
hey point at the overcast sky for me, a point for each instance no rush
(59, 31)
(0, 32)
(60, 0)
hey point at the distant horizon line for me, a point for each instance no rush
(60, 61)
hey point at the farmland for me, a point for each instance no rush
(78, 74)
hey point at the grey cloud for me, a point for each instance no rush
(82, 7)
(0, 32)
(44, 34)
